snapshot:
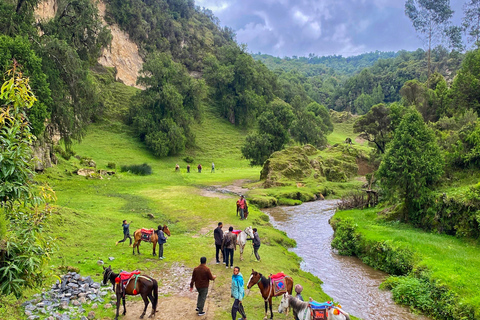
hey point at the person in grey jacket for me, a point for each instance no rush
(229, 245)
(161, 240)
(237, 292)
(256, 244)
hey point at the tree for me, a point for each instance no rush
(411, 165)
(471, 21)
(272, 135)
(465, 91)
(430, 19)
(311, 125)
(375, 126)
(25, 249)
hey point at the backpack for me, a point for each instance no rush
(228, 240)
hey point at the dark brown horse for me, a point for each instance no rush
(146, 286)
(266, 288)
(137, 236)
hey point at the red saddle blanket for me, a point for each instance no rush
(279, 283)
(277, 276)
(124, 275)
(236, 232)
(147, 231)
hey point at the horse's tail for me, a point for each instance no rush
(155, 295)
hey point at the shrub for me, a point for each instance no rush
(111, 165)
(288, 202)
(64, 154)
(264, 201)
(345, 237)
(188, 159)
(9, 307)
(138, 169)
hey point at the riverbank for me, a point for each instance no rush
(89, 212)
(436, 274)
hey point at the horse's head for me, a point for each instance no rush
(106, 274)
(166, 230)
(284, 304)
(255, 278)
(249, 231)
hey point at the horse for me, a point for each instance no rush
(242, 239)
(266, 289)
(303, 311)
(146, 286)
(137, 235)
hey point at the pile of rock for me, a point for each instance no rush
(65, 300)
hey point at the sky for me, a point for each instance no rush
(322, 27)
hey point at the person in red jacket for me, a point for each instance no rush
(242, 206)
(199, 168)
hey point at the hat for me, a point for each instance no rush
(241, 195)
(298, 288)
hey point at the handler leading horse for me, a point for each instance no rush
(137, 235)
(266, 289)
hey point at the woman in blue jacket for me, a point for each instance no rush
(238, 292)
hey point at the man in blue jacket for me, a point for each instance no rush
(161, 240)
(238, 292)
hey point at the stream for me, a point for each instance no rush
(346, 280)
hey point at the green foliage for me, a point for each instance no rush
(465, 89)
(346, 238)
(111, 165)
(162, 114)
(375, 126)
(138, 169)
(272, 135)
(26, 250)
(412, 164)
(311, 125)
(387, 256)
(188, 159)
(9, 309)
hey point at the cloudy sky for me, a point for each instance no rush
(323, 27)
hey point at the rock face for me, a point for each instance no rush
(44, 156)
(122, 55)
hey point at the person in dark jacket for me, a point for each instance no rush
(218, 235)
(229, 245)
(256, 244)
(161, 240)
(126, 232)
(201, 279)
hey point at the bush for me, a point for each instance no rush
(288, 202)
(111, 165)
(188, 159)
(64, 154)
(9, 307)
(346, 238)
(138, 169)
(264, 201)
(385, 256)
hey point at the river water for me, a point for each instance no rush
(347, 280)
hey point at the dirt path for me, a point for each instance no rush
(175, 301)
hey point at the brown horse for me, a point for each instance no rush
(137, 235)
(146, 286)
(266, 289)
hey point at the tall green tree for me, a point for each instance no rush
(465, 90)
(375, 126)
(411, 166)
(311, 125)
(471, 21)
(430, 19)
(272, 135)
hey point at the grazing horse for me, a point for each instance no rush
(266, 288)
(304, 312)
(146, 286)
(242, 239)
(137, 235)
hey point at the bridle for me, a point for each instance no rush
(108, 275)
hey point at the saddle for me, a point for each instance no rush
(320, 310)
(279, 283)
(124, 279)
(146, 234)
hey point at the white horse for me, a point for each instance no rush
(242, 239)
(303, 311)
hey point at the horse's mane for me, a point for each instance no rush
(265, 281)
(297, 304)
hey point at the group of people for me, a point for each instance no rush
(199, 167)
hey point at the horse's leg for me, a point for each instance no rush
(270, 304)
(124, 309)
(150, 297)
(154, 246)
(241, 252)
(145, 300)
(118, 305)
(138, 246)
(266, 310)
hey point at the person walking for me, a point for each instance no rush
(229, 246)
(126, 232)
(213, 167)
(256, 244)
(201, 277)
(188, 168)
(242, 205)
(161, 240)
(218, 235)
(237, 293)
(199, 167)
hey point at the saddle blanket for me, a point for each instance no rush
(319, 310)
(125, 276)
(237, 232)
(146, 234)
(279, 283)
